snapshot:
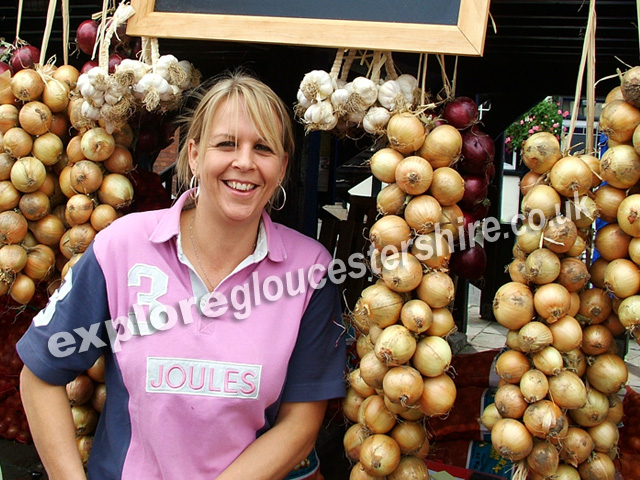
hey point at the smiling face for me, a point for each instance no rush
(238, 169)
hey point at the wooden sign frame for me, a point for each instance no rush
(465, 38)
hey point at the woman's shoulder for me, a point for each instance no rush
(132, 226)
(294, 240)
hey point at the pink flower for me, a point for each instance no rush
(507, 140)
(531, 130)
(565, 114)
(559, 112)
(536, 128)
(556, 125)
(521, 122)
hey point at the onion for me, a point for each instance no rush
(22, 289)
(115, 190)
(627, 216)
(99, 397)
(616, 409)
(513, 305)
(85, 419)
(86, 176)
(620, 166)
(534, 386)
(595, 306)
(634, 250)
(436, 289)
(388, 231)
(402, 272)
(410, 467)
(511, 365)
(383, 164)
(443, 323)
(48, 230)
(358, 473)
(432, 250)
(13, 259)
(566, 333)
(613, 324)
(120, 161)
(438, 396)
(423, 214)
(529, 237)
(575, 304)
(478, 152)
(560, 234)
(598, 466)
(28, 174)
(8, 117)
(55, 95)
(576, 361)
(411, 437)
(86, 34)
(395, 346)
(534, 336)
(461, 112)
(377, 305)
(48, 148)
(583, 211)
(405, 132)
(548, 360)
(391, 200)
(442, 146)
(41, 261)
(513, 340)
(530, 180)
(541, 151)
(576, 446)
(372, 369)
(13, 227)
(608, 373)
(379, 455)
(574, 274)
(452, 221)
(510, 401)
(413, 175)
(608, 199)
(432, 356)
(618, 119)
(351, 404)
(78, 209)
(543, 459)
(594, 411)
(79, 390)
(511, 439)
(629, 313)
(567, 390)
(605, 436)
(490, 416)
(570, 176)
(364, 344)
(35, 118)
(544, 419)
(17, 142)
(124, 136)
(97, 144)
(102, 216)
(359, 385)
(540, 203)
(67, 74)
(27, 85)
(594, 165)
(416, 315)
(596, 339)
(476, 190)
(6, 162)
(74, 150)
(516, 271)
(447, 186)
(84, 444)
(402, 385)
(628, 90)
(551, 301)
(352, 440)
(34, 205)
(612, 242)
(596, 272)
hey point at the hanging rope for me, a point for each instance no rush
(65, 31)
(19, 20)
(51, 13)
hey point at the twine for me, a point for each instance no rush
(390, 67)
(346, 67)
(65, 31)
(120, 16)
(337, 64)
(51, 13)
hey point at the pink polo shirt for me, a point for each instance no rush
(192, 378)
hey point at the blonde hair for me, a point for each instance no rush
(267, 112)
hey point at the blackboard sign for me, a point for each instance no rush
(425, 26)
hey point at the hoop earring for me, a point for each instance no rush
(193, 184)
(284, 199)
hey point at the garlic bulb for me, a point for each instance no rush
(408, 86)
(135, 68)
(320, 116)
(375, 120)
(168, 68)
(339, 99)
(98, 78)
(365, 92)
(152, 89)
(316, 85)
(391, 96)
(89, 111)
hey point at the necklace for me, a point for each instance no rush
(195, 250)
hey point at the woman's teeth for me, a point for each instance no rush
(241, 186)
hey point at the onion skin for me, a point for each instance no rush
(541, 151)
(511, 439)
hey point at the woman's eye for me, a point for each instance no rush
(264, 148)
(226, 144)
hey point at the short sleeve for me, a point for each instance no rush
(318, 362)
(69, 334)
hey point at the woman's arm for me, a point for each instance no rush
(275, 453)
(51, 424)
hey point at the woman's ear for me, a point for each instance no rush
(193, 156)
(283, 167)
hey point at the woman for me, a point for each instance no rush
(222, 339)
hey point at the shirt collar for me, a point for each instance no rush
(269, 242)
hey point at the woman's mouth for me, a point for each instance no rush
(242, 186)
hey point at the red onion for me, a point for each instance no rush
(25, 57)
(478, 151)
(4, 67)
(86, 36)
(481, 211)
(476, 190)
(88, 66)
(461, 112)
(470, 263)
(148, 141)
(114, 60)
(490, 172)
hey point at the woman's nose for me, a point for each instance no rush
(243, 158)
